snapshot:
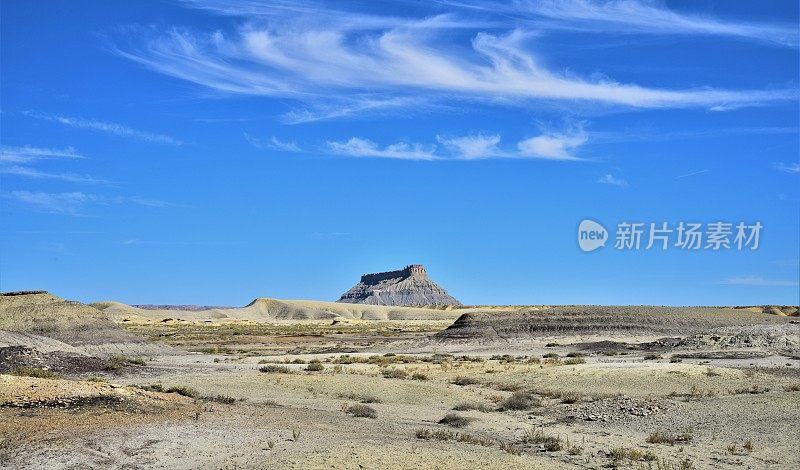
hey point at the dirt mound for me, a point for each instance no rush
(577, 320)
(30, 392)
(35, 319)
(60, 362)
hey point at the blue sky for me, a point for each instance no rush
(211, 151)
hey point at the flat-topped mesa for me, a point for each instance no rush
(415, 270)
(409, 287)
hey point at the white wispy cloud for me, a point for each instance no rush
(758, 281)
(34, 173)
(357, 147)
(793, 167)
(107, 127)
(473, 146)
(553, 146)
(28, 154)
(611, 179)
(74, 203)
(648, 17)
(290, 53)
(547, 146)
(692, 173)
(273, 144)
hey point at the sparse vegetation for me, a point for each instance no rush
(520, 401)
(117, 362)
(468, 406)
(183, 390)
(574, 361)
(571, 397)
(419, 376)
(463, 380)
(36, 372)
(661, 437)
(652, 357)
(455, 420)
(538, 436)
(272, 368)
(551, 355)
(395, 373)
(361, 411)
(315, 366)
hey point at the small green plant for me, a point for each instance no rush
(574, 361)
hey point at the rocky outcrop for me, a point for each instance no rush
(532, 324)
(409, 287)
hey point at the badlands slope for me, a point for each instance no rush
(265, 310)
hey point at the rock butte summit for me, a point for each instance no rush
(409, 287)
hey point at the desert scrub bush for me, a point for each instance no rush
(151, 387)
(652, 357)
(551, 355)
(395, 373)
(464, 380)
(468, 406)
(574, 361)
(792, 388)
(609, 352)
(571, 397)
(471, 358)
(575, 354)
(510, 448)
(711, 372)
(445, 435)
(675, 359)
(419, 376)
(507, 387)
(519, 401)
(754, 389)
(94, 378)
(228, 400)
(662, 437)
(361, 411)
(551, 345)
(117, 362)
(36, 372)
(455, 420)
(361, 398)
(183, 390)
(537, 436)
(315, 366)
(272, 368)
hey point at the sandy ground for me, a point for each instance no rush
(235, 393)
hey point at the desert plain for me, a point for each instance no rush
(307, 384)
